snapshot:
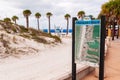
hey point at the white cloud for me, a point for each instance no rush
(58, 7)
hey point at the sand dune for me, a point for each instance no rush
(48, 64)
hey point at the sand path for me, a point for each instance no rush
(51, 63)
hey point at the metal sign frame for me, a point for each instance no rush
(102, 49)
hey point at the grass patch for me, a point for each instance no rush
(30, 33)
(25, 36)
(57, 39)
(40, 40)
(23, 29)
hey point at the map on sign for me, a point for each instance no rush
(87, 40)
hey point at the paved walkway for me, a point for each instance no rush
(112, 63)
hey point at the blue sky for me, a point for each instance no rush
(58, 8)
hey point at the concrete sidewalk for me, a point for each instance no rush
(112, 63)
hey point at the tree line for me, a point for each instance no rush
(37, 15)
(111, 10)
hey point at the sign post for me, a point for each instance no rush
(73, 49)
(88, 43)
(102, 48)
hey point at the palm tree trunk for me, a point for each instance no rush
(113, 31)
(15, 21)
(49, 25)
(67, 26)
(27, 22)
(118, 32)
(38, 24)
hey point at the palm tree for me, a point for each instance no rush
(67, 16)
(91, 16)
(38, 15)
(7, 20)
(14, 18)
(26, 14)
(111, 10)
(49, 14)
(81, 14)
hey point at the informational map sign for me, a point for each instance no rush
(87, 40)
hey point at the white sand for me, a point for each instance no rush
(47, 64)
